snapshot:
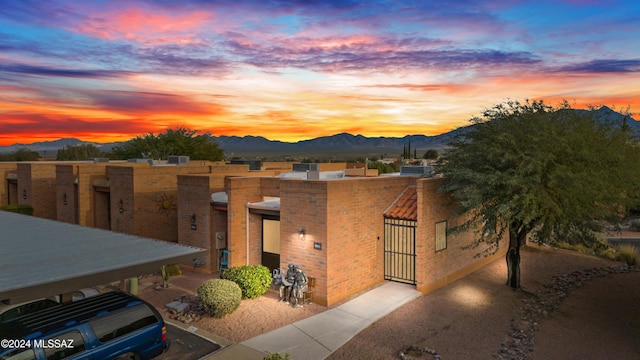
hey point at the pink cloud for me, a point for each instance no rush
(145, 25)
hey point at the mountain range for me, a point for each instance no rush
(255, 146)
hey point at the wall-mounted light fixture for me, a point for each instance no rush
(64, 198)
(193, 222)
(24, 194)
(120, 206)
(301, 233)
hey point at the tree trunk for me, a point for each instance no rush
(513, 256)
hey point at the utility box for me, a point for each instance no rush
(178, 160)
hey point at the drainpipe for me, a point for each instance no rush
(247, 233)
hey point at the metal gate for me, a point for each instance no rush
(400, 250)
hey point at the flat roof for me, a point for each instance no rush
(41, 258)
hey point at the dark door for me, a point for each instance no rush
(271, 242)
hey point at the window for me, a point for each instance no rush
(441, 235)
(19, 354)
(64, 345)
(114, 325)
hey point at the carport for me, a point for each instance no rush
(41, 258)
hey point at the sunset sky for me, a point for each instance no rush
(297, 69)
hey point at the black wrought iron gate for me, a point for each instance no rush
(400, 250)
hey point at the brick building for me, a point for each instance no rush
(349, 233)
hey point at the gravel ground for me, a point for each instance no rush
(571, 306)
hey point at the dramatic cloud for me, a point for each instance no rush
(296, 69)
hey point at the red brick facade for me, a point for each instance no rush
(436, 269)
(343, 219)
(37, 187)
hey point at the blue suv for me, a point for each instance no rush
(114, 325)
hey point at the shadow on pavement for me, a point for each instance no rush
(186, 345)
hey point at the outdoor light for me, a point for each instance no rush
(64, 198)
(24, 194)
(193, 222)
(301, 233)
(121, 209)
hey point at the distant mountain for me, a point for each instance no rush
(241, 146)
(342, 142)
(50, 148)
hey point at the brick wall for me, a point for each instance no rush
(303, 204)
(345, 219)
(436, 269)
(149, 195)
(8, 192)
(37, 187)
(277, 165)
(121, 201)
(91, 206)
(241, 190)
(66, 210)
(194, 198)
(355, 233)
(332, 166)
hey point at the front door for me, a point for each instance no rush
(271, 242)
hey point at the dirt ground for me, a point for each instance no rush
(477, 317)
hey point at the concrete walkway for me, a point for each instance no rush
(316, 337)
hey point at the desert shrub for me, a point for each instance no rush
(254, 280)
(609, 253)
(635, 225)
(17, 208)
(575, 247)
(276, 356)
(628, 254)
(219, 297)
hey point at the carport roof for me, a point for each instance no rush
(41, 258)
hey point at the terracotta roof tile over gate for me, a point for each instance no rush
(405, 207)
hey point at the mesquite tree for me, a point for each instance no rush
(526, 168)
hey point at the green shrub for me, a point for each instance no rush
(635, 225)
(173, 270)
(276, 356)
(628, 254)
(219, 297)
(254, 280)
(20, 209)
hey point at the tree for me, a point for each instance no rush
(431, 154)
(180, 141)
(78, 152)
(529, 168)
(25, 154)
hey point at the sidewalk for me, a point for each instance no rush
(316, 337)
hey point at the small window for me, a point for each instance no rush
(441, 235)
(114, 325)
(64, 345)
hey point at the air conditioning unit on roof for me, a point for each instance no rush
(178, 160)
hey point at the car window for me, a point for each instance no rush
(27, 309)
(112, 326)
(63, 345)
(18, 354)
